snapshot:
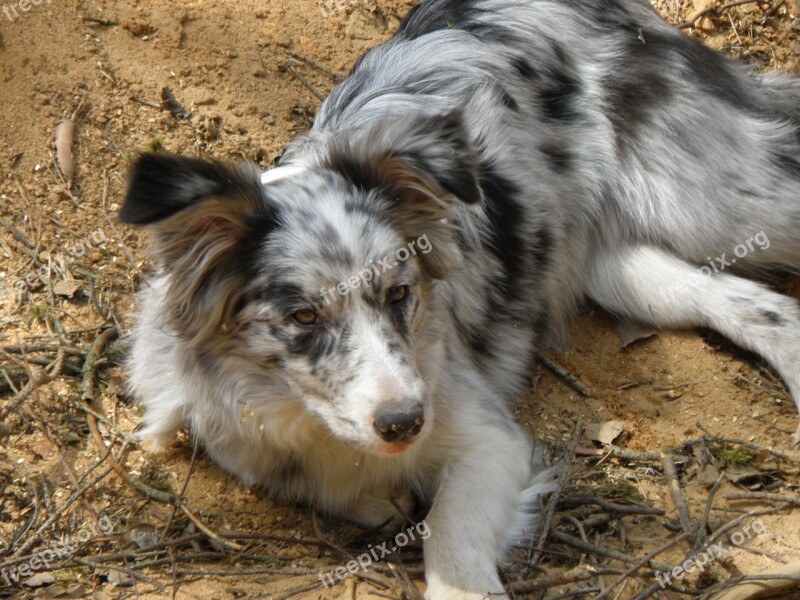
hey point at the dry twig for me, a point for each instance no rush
(571, 380)
(674, 486)
(690, 22)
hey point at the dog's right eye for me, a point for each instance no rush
(305, 317)
(397, 294)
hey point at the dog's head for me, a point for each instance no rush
(320, 274)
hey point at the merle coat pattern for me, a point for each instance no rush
(549, 151)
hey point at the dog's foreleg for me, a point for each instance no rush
(653, 286)
(476, 505)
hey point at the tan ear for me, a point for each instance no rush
(419, 206)
(204, 218)
(207, 234)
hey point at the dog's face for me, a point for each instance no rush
(319, 275)
(333, 306)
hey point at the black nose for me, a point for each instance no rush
(399, 423)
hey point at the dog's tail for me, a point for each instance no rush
(543, 482)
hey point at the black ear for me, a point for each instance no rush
(190, 204)
(207, 221)
(437, 147)
(163, 184)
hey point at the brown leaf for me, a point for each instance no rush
(741, 474)
(605, 433)
(66, 288)
(142, 535)
(629, 332)
(39, 580)
(65, 132)
(72, 590)
(766, 588)
(708, 475)
(119, 579)
(704, 24)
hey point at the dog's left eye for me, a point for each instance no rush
(397, 294)
(305, 317)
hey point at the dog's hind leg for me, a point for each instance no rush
(653, 286)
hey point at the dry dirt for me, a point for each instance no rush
(238, 69)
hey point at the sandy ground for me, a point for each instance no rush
(245, 73)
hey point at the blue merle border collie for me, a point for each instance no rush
(548, 151)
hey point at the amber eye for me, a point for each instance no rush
(397, 294)
(305, 317)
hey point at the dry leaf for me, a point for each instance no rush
(626, 384)
(629, 332)
(66, 288)
(766, 588)
(142, 535)
(119, 579)
(65, 132)
(72, 590)
(704, 24)
(708, 475)
(605, 433)
(703, 8)
(741, 474)
(39, 580)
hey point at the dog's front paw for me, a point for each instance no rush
(388, 511)
(447, 592)
(463, 583)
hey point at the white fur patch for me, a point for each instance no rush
(273, 175)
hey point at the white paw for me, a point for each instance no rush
(439, 592)
(464, 584)
(373, 511)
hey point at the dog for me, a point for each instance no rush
(350, 328)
